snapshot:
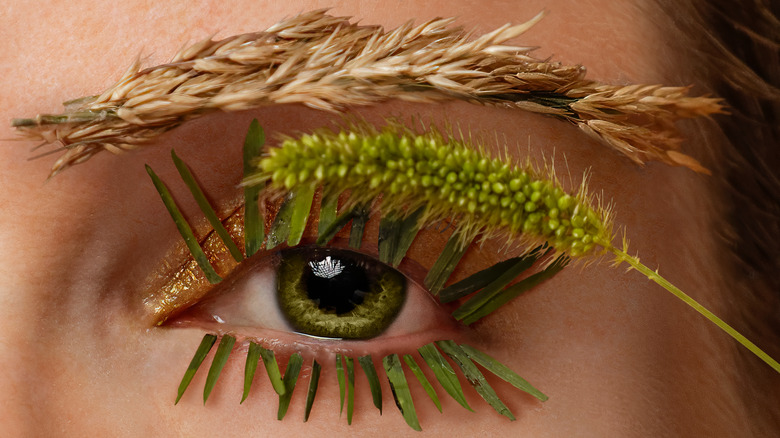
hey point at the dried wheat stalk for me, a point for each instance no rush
(328, 63)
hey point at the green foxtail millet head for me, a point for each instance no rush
(449, 178)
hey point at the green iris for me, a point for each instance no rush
(336, 293)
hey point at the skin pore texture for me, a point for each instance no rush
(617, 355)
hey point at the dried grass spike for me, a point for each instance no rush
(325, 62)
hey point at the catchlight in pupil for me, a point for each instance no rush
(337, 293)
(335, 285)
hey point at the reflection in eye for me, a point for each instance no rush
(321, 292)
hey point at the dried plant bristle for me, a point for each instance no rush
(330, 63)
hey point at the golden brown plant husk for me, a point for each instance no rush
(329, 63)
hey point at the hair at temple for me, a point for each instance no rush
(735, 52)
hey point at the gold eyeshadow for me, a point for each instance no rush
(173, 288)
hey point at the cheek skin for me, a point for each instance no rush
(604, 345)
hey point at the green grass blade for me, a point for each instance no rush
(470, 313)
(314, 382)
(272, 368)
(342, 382)
(358, 227)
(290, 379)
(184, 229)
(423, 380)
(400, 388)
(495, 287)
(203, 350)
(300, 214)
(446, 263)
(220, 359)
(254, 225)
(205, 206)
(502, 371)
(389, 228)
(350, 363)
(328, 212)
(252, 359)
(280, 228)
(410, 226)
(475, 377)
(444, 373)
(481, 279)
(327, 234)
(373, 380)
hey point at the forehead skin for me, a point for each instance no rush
(617, 355)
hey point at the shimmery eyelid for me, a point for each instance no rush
(171, 289)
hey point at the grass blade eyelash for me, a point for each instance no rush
(426, 384)
(345, 370)
(373, 380)
(444, 373)
(200, 355)
(290, 379)
(311, 394)
(474, 377)
(184, 228)
(502, 371)
(205, 206)
(342, 381)
(220, 359)
(252, 359)
(254, 226)
(400, 389)
(350, 365)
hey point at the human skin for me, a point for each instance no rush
(617, 355)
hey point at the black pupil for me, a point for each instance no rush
(336, 284)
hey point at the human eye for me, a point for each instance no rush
(321, 292)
